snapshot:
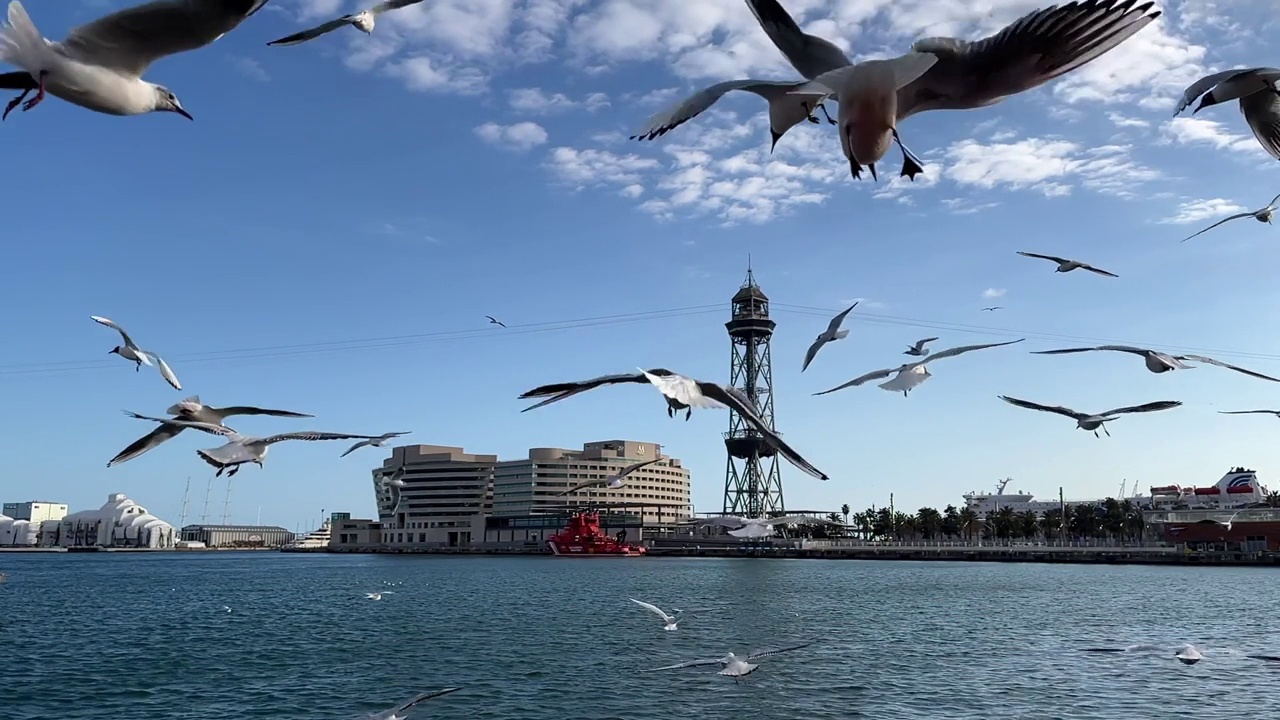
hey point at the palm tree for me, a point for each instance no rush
(844, 510)
(968, 522)
(951, 522)
(1273, 499)
(1028, 524)
(929, 522)
(1051, 523)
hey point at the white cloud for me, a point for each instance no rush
(1211, 133)
(520, 137)
(1151, 68)
(1124, 121)
(539, 102)
(422, 74)
(250, 68)
(1047, 166)
(993, 293)
(1197, 210)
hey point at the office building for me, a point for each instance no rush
(120, 522)
(232, 536)
(445, 496)
(36, 511)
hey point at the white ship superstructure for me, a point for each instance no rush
(313, 540)
(1239, 487)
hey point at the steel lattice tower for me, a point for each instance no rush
(752, 483)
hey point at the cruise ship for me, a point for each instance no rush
(1239, 487)
(313, 541)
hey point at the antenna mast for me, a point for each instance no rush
(1002, 484)
(186, 499)
(226, 504)
(208, 490)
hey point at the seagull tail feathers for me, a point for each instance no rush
(842, 334)
(21, 44)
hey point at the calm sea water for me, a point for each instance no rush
(145, 636)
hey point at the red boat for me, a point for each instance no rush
(583, 536)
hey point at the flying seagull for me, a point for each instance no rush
(912, 374)
(495, 321)
(99, 65)
(733, 666)
(241, 450)
(1249, 412)
(742, 527)
(671, 621)
(785, 109)
(401, 711)
(918, 349)
(191, 409)
(833, 332)
(1262, 215)
(363, 21)
(613, 482)
(1259, 100)
(1065, 265)
(875, 96)
(1230, 521)
(1093, 421)
(992, 308)
(379, 441)
(140, 357)
(556, 392)
(1185, 654)
(1158, 362)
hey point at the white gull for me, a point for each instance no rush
(362, 21)
(1094, 421)
(831, 334)
(140, 357)
(910, 375)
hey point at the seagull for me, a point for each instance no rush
(140, 357)
(993, 308)
(1258, 95)
(742, 527)
(833, 332)
(912, 374)
(1093, 422)
(363, 21)
(559, 391)
(191, 409)
(401, 711)
(1158, 362)
(1185, 654)
(696, 393)
(1065, 265)
(875, 95)
(733, 666)
(378, 595)
(1227, 525)
(786, 110)
(1249, 412)
(241, 450)
(99, 65)
(613, 482)
(918, 349)
(379, 441)
(1263, 215)
(671, 621)
(495, 321)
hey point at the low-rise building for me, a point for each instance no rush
(231, 536)
(36, 511)
(1252, 529)
(120, 523)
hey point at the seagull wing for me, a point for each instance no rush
(386, 5)
(1043, 257)
(952, 352)
(1100, 271)
(687, 109)
(1116, 348)
(128, 341)
(812, 352)
(1065, 411)
(1262, 112)
(1237, 216)
(165, 371)
(1201, 86)
(227, 412)
(1147, 407)
(653, 609)
(179, 422)
(1034, 49)
(576, 488)
(1219, 363)
(146, 442)
(355, 447)
(560, 391)
(129, 40)
(873, 375)
(691, 663)
(632, 468)
(777, 651)
(408, 704)
(834, 325)
(1248, 412)
(730, 521)
(313, 33)
(312, 435)
(738, 401)
(921, 343)
(808, 54)
(1273, 202)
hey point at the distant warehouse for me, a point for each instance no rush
(237, 535)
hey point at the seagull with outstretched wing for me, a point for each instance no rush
(191, 409)
(1092, 422)
(362, 21)
(733, 666)
(832, 333)
(1065, 265)
(1261, 215)
(612, 482)
(379, 441)
(910, 375)
(918, 350)
(1156, 361)
(670, 622)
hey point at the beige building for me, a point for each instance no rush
(36, 511)
(446, 496)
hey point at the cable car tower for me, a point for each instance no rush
(752, 483)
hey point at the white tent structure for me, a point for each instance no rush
(119, 523)
(18, 533)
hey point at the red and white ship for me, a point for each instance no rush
(583, 537)
(1239, 486)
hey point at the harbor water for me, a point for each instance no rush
(133, 636)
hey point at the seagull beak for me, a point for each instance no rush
(182, 111)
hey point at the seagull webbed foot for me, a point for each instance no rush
(234, 470)
(911, 165)
(808, 112)
(824, 112)
(688, 413)
(14, 103)
(39, 92)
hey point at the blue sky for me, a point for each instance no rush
(470, 158)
